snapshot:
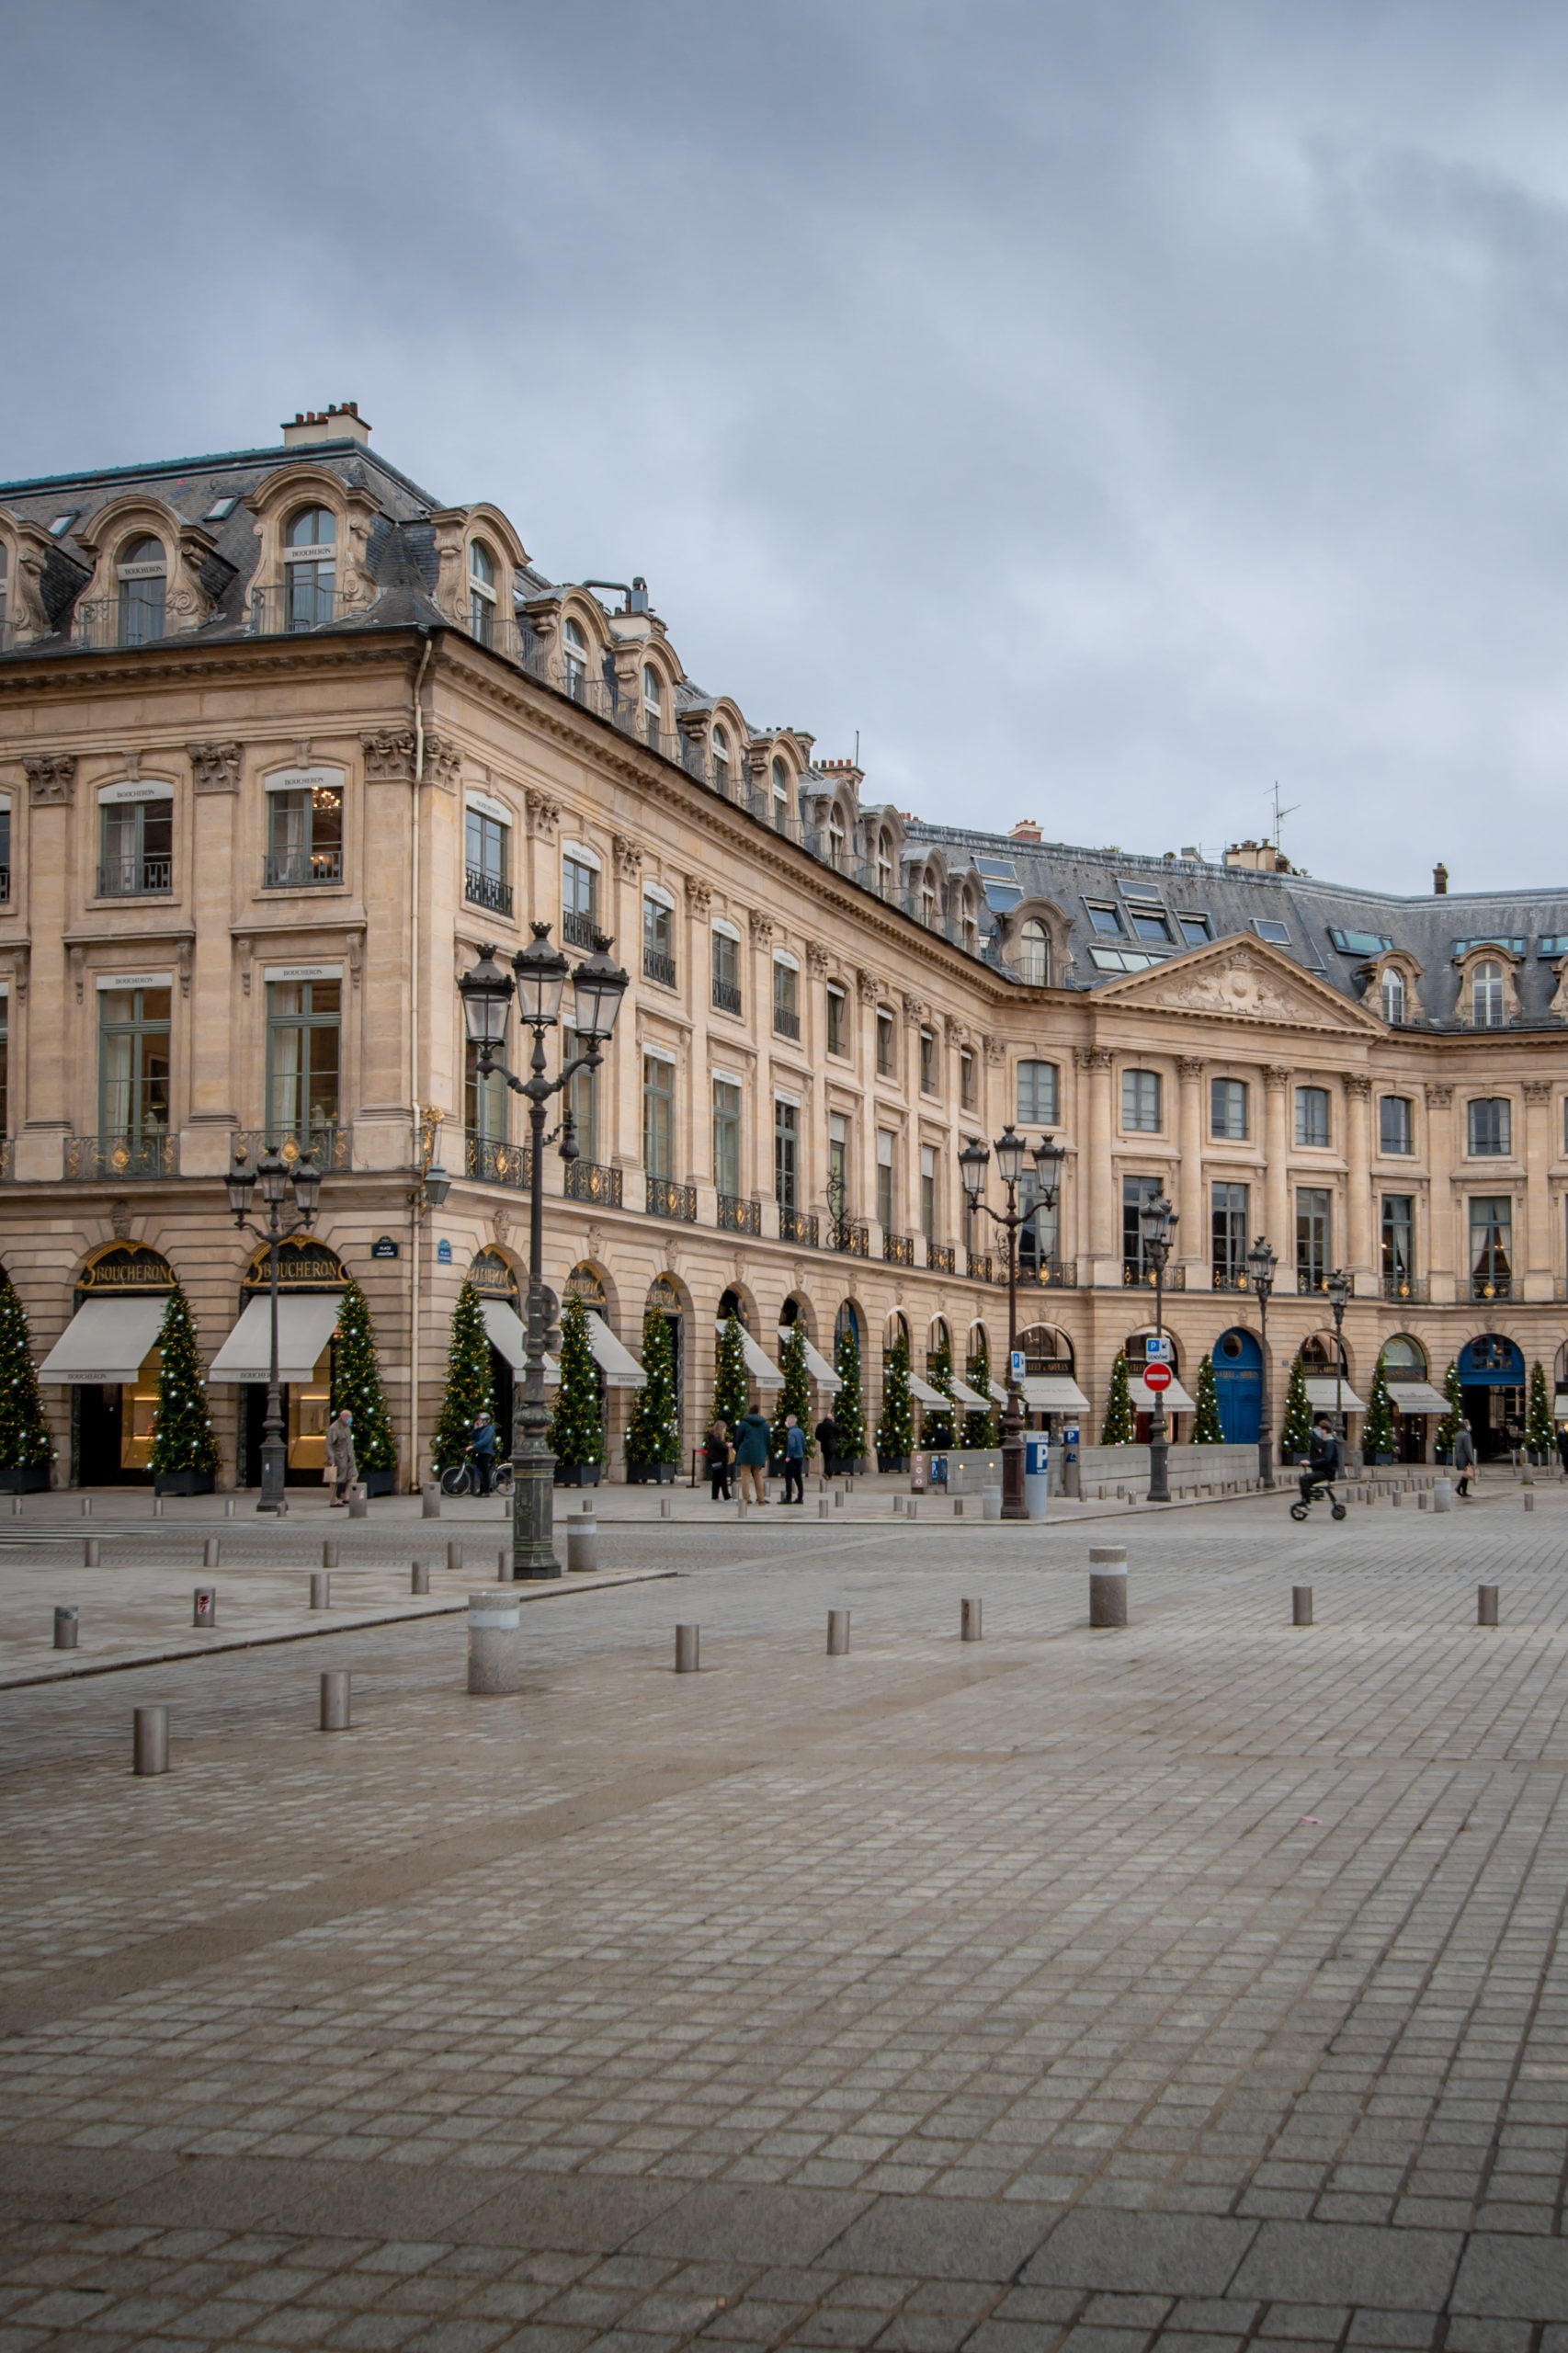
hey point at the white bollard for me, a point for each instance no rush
(1443, 1496)
(494, 1643)
(1108, 1584)
(583, 1542)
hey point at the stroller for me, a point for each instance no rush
(1301, 1507)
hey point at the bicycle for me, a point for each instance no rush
(462, 1478)
(1301, 1507)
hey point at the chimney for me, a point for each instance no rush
(1441, 880)
(341, 421)
(1026, 830)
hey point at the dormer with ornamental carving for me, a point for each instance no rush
(311, 521)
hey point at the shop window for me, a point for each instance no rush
(303, 1021)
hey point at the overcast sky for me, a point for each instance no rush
(1109, 410)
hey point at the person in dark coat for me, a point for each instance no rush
(752, 1437)
(794, 1460)
(340, 1462)
(1562, 1447)
(1325, 1455)
(1464, 1458)
(827, 1439)
(483, 1445)
(716, 1454)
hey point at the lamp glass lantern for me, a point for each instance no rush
(1010, 1151)
(241, 1182)
(486, 992)
(1047, 1159)
(973, 1162)
(541, 973)
(437, 1185)
(307, 1187)
(1337, 1287)
(272, 1177)
(1261, 1263)
(599, 986)
(1155, 1218)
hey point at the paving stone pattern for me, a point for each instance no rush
(1195, 1985)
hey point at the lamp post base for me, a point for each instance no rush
(1012, 1504)
(533, 1510)
(273, 1463)
(1159, 1460)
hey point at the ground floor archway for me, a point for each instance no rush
(1238, 1385)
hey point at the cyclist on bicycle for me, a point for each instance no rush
(1324, 1457)
(482, 1446)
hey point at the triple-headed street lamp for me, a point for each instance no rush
(600, 984)
(1261, 1263)
(973, 1162)
(271, 1177)
(1155, 1220)
(1338, 1286)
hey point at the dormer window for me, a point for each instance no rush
(1486, 997)
(310, 573)
(884, 866)
(575, 655)
(1034, 956)
(721, 762)
(927, 902)
(652, 705)
(143, 574)
(836, 839)
(480, 592)
(780, 797)
(1394, 996)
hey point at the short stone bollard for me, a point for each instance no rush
(1108, 1584)
(969, 1622)
(1301, 1605)
(583, 1542)
(358, 1503)
(15, 1506)
(958, 1506)
(89, 1552)
(824, 1510)
(666, 1507)
(420, 1581)
(455, 1555)
(150, 1740)
(86, 1507)
(321, 1589)
(991, 1502)
(687, 1650)
(335, 1700)
(329, 1555)
(228, 1507)
(66, 1627)
(739, 1506)
(1443, 1496)
(503, 1566)
(1529, 1499)
(897, 1505)
(837, 1499)
(910, 1508)
(157, 1507)
(838, 1633)
(210, 1553)
(494, 1643)
(1486, 1605)
(429, 1500)
(1422, 1501)
(1397, 1497)
(204, 1606)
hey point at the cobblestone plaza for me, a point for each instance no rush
(1195, 1985)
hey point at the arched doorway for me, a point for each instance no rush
(111, 1418)
(1403, 1363)
(1177, 1399)
(664, 1297)
(1238, 1384)
(310, 1289)
(1492, 1380)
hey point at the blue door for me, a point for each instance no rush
(1238, 1381)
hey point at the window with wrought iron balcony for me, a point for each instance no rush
(658, 938)
(579, 902)
(785, 996)
(726, 971)
(488, 852)
(305, 838)
(136, 840)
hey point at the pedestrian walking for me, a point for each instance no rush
(827, 1439)
(717, 1454)
(1464, 1458)
(1562, 1447)
(340, 1455)
(751, 1456)
(794, 1460)
(483, 1445)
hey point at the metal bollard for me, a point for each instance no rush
(89, 1552)
(969, 1622)
(494, 1643)
(204, 1606)
(157, 1507)
(1486, 1605)
(897, 1504)
(1397, 1498)
(1529, 1499)
(358, 1503)
(910, 1508)
(958, 1506)
(429, 1500)
(455, 1555)
(335, 1700)
(1108, 1584)
(229, 1507)
(149, 1740)
(1301, 1605)
(329, 1555)
(1443, 1496)
(837, 1499)
(210, 1551)
(687, 1650)
(321, 1589)
(824, 1510)
(503, 1566)
(86, 1507)
(420, 1581)
(583, 1542)
(666, 1507)
(65, 1627)
(838, 1633)
(822, 1486)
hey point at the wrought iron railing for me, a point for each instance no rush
(666, 1198)
(1416, 1289)
(1493, 1287)
(577, 928)
(5, 886)
(590, 1180)
(851, 1241)
(738, 1216)
(1310, 1286)
(786, 1022)
(300, 869)
(980, 1266)
(497, 1163)
(898, 1249)
(287, 612)
(1136, 1278)
(1228, 1279)
(155, 1153)
(797, 1225)
(485, 891)
(107, 622)
(940, 1257)
(134, 878)
(1052, 1274)
(7, 1160)
(657, 966)
(328, 1146)
(727, 995)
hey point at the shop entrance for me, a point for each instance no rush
(1492, 1382)
(307, 1409)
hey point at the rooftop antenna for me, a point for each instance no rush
(1280, 815)
(856, 747)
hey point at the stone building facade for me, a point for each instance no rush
(284, 739)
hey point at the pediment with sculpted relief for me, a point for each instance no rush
(1238, 980)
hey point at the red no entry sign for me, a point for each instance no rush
(1156, 1377)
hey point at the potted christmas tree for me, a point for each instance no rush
(26, 1449)
(356, 1389)
(1120, 1421)
(652, 1435)
(577, 1432)
(1296, 1436)
(795, 1397)
(980, 1429)
(732, 1381)
(1540, 1436)
(1378, 1430)
(468, 1391)
(848, 1411)
(1208, 1429)
(184, 1454)
(1448, 1427)
(936, 1429)
(895, 1431)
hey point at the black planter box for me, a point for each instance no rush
(379, 1482)
(654, 1474)
(184, 1483)
(33, 1481)
(892, 1461)
(578, 1474)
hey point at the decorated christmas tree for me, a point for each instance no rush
(848, 1411)
(182, 1427)
(356, 1385)
(577, 1432)
(795, 1397)
(1448, 1427)
(895, 1431)
(1120, 1421)
(732, 1381)
(468, 1391)
(1539, 1434)
(980, 1429)
(652, 1435)
(1207, 1429)
(24, 1443)
(1377, 1430)
(1296, 1436)
(936, 1430)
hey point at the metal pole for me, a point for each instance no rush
(1159, 1452)
(273, 1451)
(533, 1464)
(1013, 1505)
(1265, 1412)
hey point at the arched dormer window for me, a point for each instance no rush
(1394, 996)
(780, 797)
(480, 592)
(1034, 955)
(929, 899)
(310, 567)
(143, 573)
(575, 658)
(884, 865)
(836, 838)
(1486, 997)
(652, 705)
(721, 762)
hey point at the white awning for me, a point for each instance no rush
(619, 1366)
(1321, 1399)
(509, 1338)
(998, 1390)
(1559, 1407)
(1416, 1397)
(1055, 1393)
(766, 1374)
(1175, 1397)
(927, 1395)
(821, 1372)
(970, 1399)
(106, 1340)
(305, 1324)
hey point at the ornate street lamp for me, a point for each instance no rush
(1261, 1263)
(538, 978)
(272, 1178)
(973, 1160)
(1338, 1287)
(1155, 1220)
